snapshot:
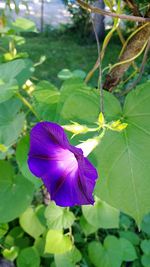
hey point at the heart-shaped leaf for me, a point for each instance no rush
(16, 193)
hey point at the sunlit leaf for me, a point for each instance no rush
(31, 224)
(57, 242)
(58, 217)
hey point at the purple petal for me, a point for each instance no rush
(69, 177)
(70, 186)
(89, 176)
(46, 137)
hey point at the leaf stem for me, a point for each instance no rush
(99, 84)
(26, 103)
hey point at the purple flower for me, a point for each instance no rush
(68, 176)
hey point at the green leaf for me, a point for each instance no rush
(57, 242)
(128, 250)
(13, 235)
(101, 215)
(145, 226)
(145, 259)
(145, 246)
(136, 263)
(95, 251)
(112, 253)
(28, 257)
(108, 255)
(19, 40)
(130, 236)
(16, 238)
(9, 56)
(39, 244)
(7, 90)
(16, 193)
(20, 70)
(21, 157)
(58, 217)
(125, 221)
(31, 224)
(65, 74)
(87, 227)
(3, 229)
(123, 158)
(10, 254)
(80, 103)
(46, 97)
(23, 25)
(79, 73)
(68, 259)
(11, 121)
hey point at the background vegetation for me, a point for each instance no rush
(42, 77)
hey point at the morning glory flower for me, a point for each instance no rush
(66, 172)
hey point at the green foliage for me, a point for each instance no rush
(3, 229)
(10, 254)
(63, 51)
(127, 187)
(145, 246)
(21, 157)
(112, 253)
(31, 224)
(10, 118)
(146, 224)
(101, 215)
(57, 242)
(16, 193)
(68, 259)
(66, 74)
(132, 237)
(127, 191)
(78, 101)
(87, 227)
(58, 218)
(80, 17)
(46, 97)
(19, 70)
(32, 234)
(28, 257)
(16, 238)
(23, 25)
(7, 90)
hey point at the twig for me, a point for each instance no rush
(100, 87)
(103, 12)
(141, 70)
(133, 6)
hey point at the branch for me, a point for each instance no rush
(134, 84)
(103, 12)
(134, 48)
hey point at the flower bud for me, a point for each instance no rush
(117, 126)
(76, 128)
(3, 148)
(101, 120)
